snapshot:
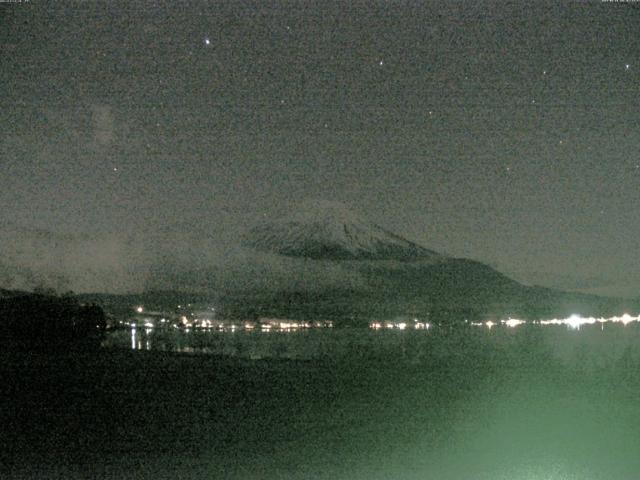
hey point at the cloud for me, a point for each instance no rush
(103, 124)
(31, 258)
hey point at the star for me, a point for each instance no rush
(627, 66)
(207, 41)
(381, 62)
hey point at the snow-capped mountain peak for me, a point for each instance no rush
(329, 230)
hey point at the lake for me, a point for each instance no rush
(529, 402)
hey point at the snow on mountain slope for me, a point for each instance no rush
(330, 231)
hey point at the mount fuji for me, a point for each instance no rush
(324, 230)
(319, 260)
(323, 260)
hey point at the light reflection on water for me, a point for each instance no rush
(537, 401)
(604, 341)
(513, 401)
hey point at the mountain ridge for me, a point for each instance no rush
(329, 231)
(320, 261)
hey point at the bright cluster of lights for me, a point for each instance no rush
(267, 324)
(292, 325)
(264, 325)
(574, 321)
(512, 322)
(416, 325)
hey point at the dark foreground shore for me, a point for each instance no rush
(480, 411)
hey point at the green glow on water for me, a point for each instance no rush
(529, 402)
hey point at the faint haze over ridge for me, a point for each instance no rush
(172, 258)
(482, 130)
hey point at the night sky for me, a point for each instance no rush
(503, 132)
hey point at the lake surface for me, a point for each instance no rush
(601, 342)
(531, 402)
